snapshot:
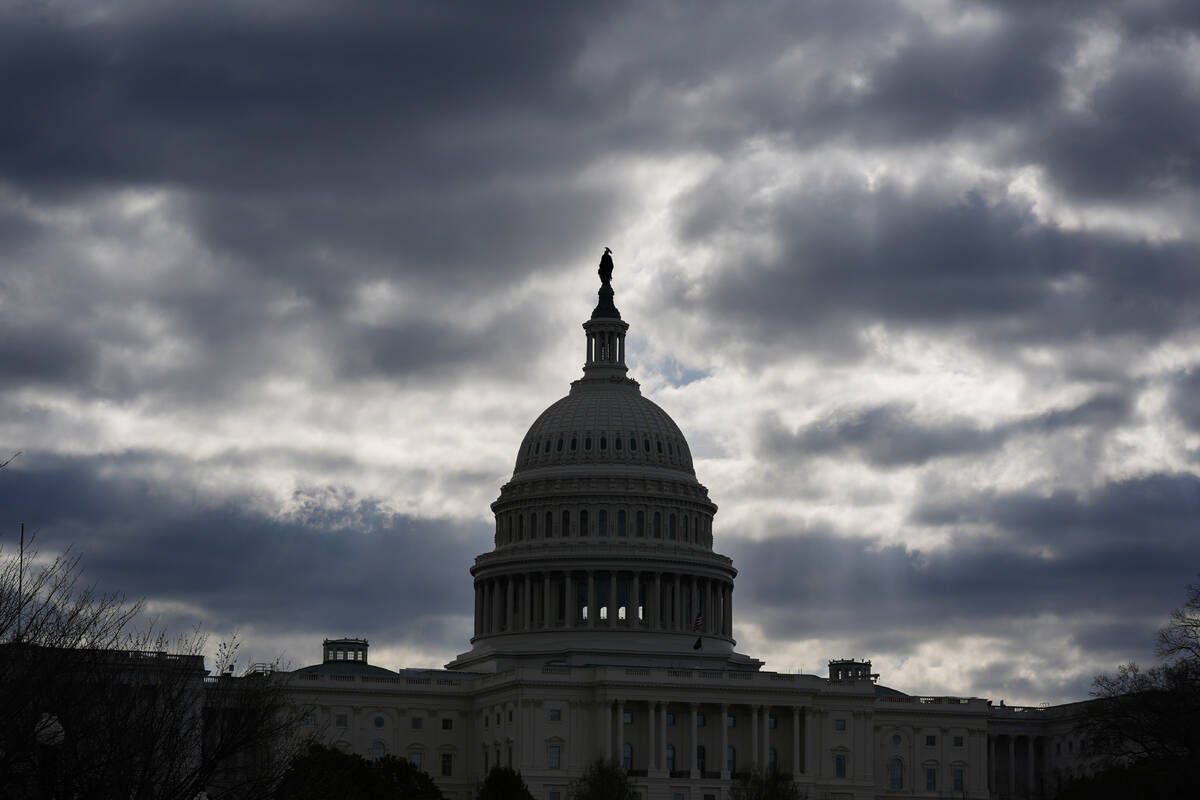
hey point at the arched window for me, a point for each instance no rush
(701, 758)
(633, 443)
(646, 442)
(731, 759)
(587, 444)
(559, 446)
(627, 756)
(657, 524)
(671, 526)
(621, 522)
(895, 774)
(641, 523)
(378, 750)
(603, 443)
(566, 523)
(670, 758)
(583, 523)
(617, 442)
(549, 524)
(574, 444)
(602, 522)
(520, 527)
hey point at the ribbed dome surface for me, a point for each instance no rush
(604, 423)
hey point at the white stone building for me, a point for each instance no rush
(604, 629)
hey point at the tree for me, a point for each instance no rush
(602, 780)
(320, 772)
(503, 783)
(760, 785)
(1143, 722)
(92, 707)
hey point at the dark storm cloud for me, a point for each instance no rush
(889, 435)
(926, 259)
(309, 572)
(1123, 553)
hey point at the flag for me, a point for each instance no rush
(698, 623)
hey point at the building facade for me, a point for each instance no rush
(604, 629)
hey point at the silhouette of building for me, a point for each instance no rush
(604, 629)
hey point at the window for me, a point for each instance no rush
(447, 724)
(700, 721)
(701, 758)
(958, 741)
(556, 715)
(958, 777)
(416, 723)
(510, 715)
(731, 759)
(583, 523)
(671, 526)
(555, 756)
(555, 796)
(839, 724)
(670, 758)
(414, 758)
(447, 764)
(671, 719)
(340, 720)
(497, 717)
(627, 717)
(641, 523)
(533, 526)
(772, 759)
(627, 756)
(896, 738)
(895, 774)
(566, 523)
(602, 522)
(617, 442)
(378, 750)
(574, 444)
(379, 722)
(771, 722)
(930, 779)
(510, 756)
(930, 740)
(657, 525)
(587, 443)
(549, 524)
(730, 721)
(621, 522)
(603, 443)
(839, 765)
(341, 655)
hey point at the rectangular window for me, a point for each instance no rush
(555, 756)
(839, 766)
(670, 719)
(930, 779)
(416, 723)
(839, 724)
(930, 740)
(641, 523)
(340, 720)
(699, 720)
(731, 721)
(602, 522)
(621, 523)
(447, 764)
(627, 717)
(958, 779)
(510, 715)
(771, 721)
(414, 758)
(657, 524)
(556, 715)
(958, 741)
(555, 796)
(447, 724)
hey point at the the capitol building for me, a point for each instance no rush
(604, 629)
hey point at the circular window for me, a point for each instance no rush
(895, 738)
(574, 444)
(379, 722)
(603, 443)
(587, 444)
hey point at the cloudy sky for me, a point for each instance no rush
(283, 283)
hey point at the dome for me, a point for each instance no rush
(604, 423)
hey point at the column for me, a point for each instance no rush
(1012, 766)
(1030, 786)
(527, 611)
(676, 611)
(868, 719)
(508, 604)
(633, 601)
(765, 760)
(797, 768)
(729, 610)
(478, 607)
(612, 599)
(662, 739)
(607, 730)
(693, 766)
(620, 729)
(754, 737)
(568, 601)
(546, 600)
(991, 764)
(656, 616)
(720, 621)
(495, 605)
(652, 759)
(812, 744)
(591, 599)
(695, 609)
(724, 754)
